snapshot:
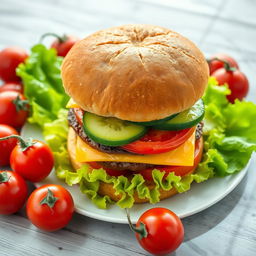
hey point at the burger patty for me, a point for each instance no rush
(199, 130)
(122, 166)
(108, 149)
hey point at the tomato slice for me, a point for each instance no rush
(178, 170)
(156, 141)
(79, 113)
(110, 172)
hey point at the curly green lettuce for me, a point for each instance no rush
(43, 88)
(229, 130)
(229, 136)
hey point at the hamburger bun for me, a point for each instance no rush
(135, 72)
(107, 188)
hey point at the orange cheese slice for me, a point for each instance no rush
(71, 104)
(181, 156)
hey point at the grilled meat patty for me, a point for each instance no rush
(122, 166)
(199, 130)
(73, 122)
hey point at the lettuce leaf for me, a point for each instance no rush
(43, 88)
(229, 136)
(89, 182)
(55, 134)
(229, 129)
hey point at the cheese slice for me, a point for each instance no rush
(71, 104)
(181, 156)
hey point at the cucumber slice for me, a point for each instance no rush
(156, 122)
(185, 119)
(111, 131)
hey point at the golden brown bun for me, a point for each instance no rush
(106, 188)
(135, 72)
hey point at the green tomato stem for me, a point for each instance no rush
(24, 144)
(227, 65)
(50, 199)
(141, 230)
(4, 177)
(20, 104)
(61, 39)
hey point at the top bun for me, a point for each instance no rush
(135, 72)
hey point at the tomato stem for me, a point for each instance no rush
(227, 65)
(24, 144)
(4, 177)
(20, 104)
(50, 199)
(61, 39)
(141, 230)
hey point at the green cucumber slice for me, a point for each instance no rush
(185, 119)
(156, 122)
(111, 131)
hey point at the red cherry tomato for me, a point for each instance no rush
(236, 80)
(6, 146)
(13, 86)
(64, 44)
(164, 231)
(33, 162)
(178, 170)
(13, 192)
(217, 64)
(50, 207)
(13, 108)
(110, 172)
(10, 58)
(155, 141)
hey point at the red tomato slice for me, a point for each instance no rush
(79, 113)
(155, 141)
(110, 172)
(178, 170)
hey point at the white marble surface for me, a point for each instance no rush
(227, 228)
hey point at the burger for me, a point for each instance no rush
(135, 109)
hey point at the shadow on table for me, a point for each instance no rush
(204, 221)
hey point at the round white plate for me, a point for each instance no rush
(198, 198)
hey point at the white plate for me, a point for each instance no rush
(198, 198)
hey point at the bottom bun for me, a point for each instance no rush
(107, 188)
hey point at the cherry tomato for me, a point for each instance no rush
(217, 64)
(13, 86)
(178, 170)
(13, 192)
(10, 58)
(155, 142)
(50, 207)
(6, 146)
(13, 108)
(110, 172)
(32, 160)
(160, 231)
(64, 44)
(236, 80)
